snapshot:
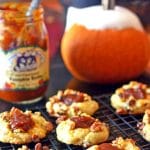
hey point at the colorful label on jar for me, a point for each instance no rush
(24, 68)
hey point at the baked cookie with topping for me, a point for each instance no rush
(71, 103)
(103, 146)
(18, 127)
(118, 144)
(144, 126)
(38, 146)
(132, 98)
(82, 130)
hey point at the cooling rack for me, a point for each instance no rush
(120, 125)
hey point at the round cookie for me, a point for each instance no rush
(38, 146)
(118, 144)
(144, 126)
(18, 127)
(104, 146)
(82, 130)
(132, 98)
(125, 144)
(71, 103)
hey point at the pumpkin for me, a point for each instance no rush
(104, 46)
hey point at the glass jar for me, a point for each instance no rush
(24, 62)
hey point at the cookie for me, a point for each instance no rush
(132, 98)
(104, 146)
(144, 126)
(71, 103)
(118, 144)
(125, 144)
(82, 130)
(38, 146)
(18, 127)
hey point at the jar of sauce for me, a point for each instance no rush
(24, 62)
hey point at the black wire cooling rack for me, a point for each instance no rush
(120, 125)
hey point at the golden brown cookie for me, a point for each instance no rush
(38, 146)
(118, 144)
(71, 103)
(82, 130)
(132, 98)
(18, 127)
(144, 126)
(125, 144)
(103, 146)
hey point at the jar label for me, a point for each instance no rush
(24, 68)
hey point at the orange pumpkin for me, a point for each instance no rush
(109, 47)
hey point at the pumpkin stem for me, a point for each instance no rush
(108, 4)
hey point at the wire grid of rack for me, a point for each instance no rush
(120, 125)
